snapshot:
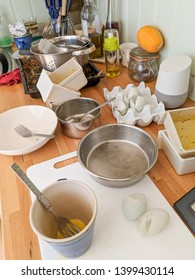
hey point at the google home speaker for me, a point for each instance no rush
(173, 81)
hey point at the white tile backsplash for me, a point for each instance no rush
(175, 19)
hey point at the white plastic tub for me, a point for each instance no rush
(180, 128)
(181, 165)
(69, 75)
(62, 84)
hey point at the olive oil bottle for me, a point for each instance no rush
(111, 51)
(92, 27)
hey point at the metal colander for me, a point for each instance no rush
(73, 46)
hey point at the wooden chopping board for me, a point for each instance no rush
(115, 237)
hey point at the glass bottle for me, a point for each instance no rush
(111, 47)
(5, 37)
(112, 18)
(58, 27)
(92, 27)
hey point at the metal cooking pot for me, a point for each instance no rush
(73, 46)
(78, 106)
(71, 43)
(117, 155)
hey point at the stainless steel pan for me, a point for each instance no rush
(117, 155)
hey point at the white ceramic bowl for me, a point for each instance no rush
(39, 119)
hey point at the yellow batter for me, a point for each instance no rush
(186, 131)
(78, 223)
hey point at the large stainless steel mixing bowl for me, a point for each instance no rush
(117, 155)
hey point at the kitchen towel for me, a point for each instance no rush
(11, 78)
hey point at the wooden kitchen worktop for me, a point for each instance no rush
(19, 240)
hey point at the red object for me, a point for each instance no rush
(11, 78)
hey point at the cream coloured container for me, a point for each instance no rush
(179, 125)
(180, 164)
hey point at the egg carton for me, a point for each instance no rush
(135, 105)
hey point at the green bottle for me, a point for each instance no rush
(5, 37)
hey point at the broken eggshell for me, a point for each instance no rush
(152, 221)
(134, 205)
(137, 102)
(135, 105)
(121, 107)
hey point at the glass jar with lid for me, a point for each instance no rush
(143, 66)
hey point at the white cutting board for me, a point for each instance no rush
(115, 237)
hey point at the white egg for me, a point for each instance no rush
(137, 102)
(134, 205)
(152, 221)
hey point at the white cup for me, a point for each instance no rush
(74, 200)
(125, 49)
